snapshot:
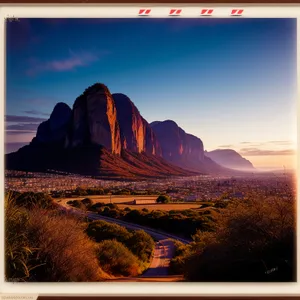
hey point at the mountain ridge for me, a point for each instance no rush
(107, 132)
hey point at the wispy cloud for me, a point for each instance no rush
(268, 143)
(35, 112)
(282, 143)
(69, 63)
(18, 132)
(23, 119)
(260, 152)
(225, 146)
(23, 127)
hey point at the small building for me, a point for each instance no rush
(144, 201)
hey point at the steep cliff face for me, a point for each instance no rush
(194, 147)
(152, 145)
(136, 133)
(105, 135)
(54, 130)
(95, 120)
(176, 144)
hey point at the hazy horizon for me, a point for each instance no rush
(231, 83)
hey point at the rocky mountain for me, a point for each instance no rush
(183, 149)
(230, 159)
(176, 143)
(54, 130)
(105, 135)
(102, 135)
(136, 133)
(94, 120)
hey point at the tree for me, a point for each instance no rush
(163, 199)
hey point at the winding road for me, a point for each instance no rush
(163, 252)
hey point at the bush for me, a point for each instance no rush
(221, 204)
(177, 263)
(100, 230)
(114, 213)
(34, 200)
(134, 216)
(251, 238)
(141, 244)
(81, 191)
(77, 203)
(163, 199)
(17, 251)
(63, 252)
(116, 259)
(44, 245)
(87, 202)
(112, 205)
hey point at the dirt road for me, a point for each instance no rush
(163, 252)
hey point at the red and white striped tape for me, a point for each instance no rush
(206, 12)
(144, 12)
(237, 12)
(175, 12)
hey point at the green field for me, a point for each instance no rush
(124, 201)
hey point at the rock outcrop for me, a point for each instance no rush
(105, 135)
(136, 133)
(95, 120)
(55, 129)
(176, 144)
(230, 159)
(183, 149)
(100, 136)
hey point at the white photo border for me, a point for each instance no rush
(132, 11)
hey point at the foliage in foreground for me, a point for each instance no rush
(254, 241)
(117, 259)
(138, 242)
(43, 245)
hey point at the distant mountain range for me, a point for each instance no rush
(230, 159)
(105, 135)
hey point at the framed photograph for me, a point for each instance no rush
(149, 149)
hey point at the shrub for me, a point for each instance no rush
(205, 205)
(177, 263)
(87, 202)
(100, 230)
(112, 205)
(221, 204)
(17, 251)
(77, 204)
(44, 245)
(163, 199)
(81, 191)
(134, 215)
(116, 259)
(35, 200)
(63, 252)
(114, 213)
(96, 207)
(251, 238)
(141, 244)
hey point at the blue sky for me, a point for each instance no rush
(231, 82)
